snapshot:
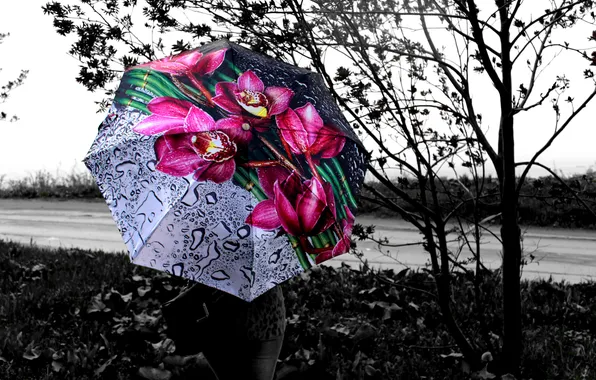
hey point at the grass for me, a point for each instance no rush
(75, 314)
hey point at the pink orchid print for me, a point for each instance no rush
(304, 131)
(343, 245)
(250, 96)
(175, 116)
(301, 208)
(190, 64)
(192, 142)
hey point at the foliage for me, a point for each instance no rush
(44, 184)
(544, 201)
(74, 314)
(10, 86)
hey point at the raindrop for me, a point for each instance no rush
(177, 269)
(170, 228)
(197, 238)
(185, 257)
(211, 198)
(243, 232)
(232, 246)
(177, 213)
(158, 247)
(274, 257)
(173, 187)
(220, 275)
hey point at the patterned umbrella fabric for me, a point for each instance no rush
(229, 168)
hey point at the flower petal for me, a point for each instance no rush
(210, 62)
(287, 215)
(188, 59)
(250, 81)
(169, 67)
(217, 172)
(167, 143)
(198, 120)
(292, 131)
(279, 99)
(225, 97)
(264, 216)
(179, 162)
(170, 107)
(311, 120)
(329, 143)
(311, 205)
(238, 128)
(292, 186)
(156, 124)
(330, 198)
(269, 175)
(325, 222)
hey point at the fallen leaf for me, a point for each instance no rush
(105, 365)
(57, 366)
(150, 373)
(96, 305)
(453, 355)
(31, 353)
(483, 375)
(142, 290)
(365, 331)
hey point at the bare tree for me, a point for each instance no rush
(10, 86)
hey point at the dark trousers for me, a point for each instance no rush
(240, 359)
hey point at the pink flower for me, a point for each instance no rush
(175, 116)
(304, 131)
(301, 208)
(192, 142)
(191, 62)
(250, 95)
(343, 245)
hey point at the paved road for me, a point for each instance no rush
(564, 254)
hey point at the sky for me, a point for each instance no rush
(59, 119)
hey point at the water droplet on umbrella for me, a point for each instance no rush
(232, 246)
(243, 232)
(138, 157)
(274, 257)
(173, 187)
(177, 213)
(170, 228)
(184, 256)
(220, 275)
(158, 247)
(177, 269)
(211, 198)
(197, 238)
(185, 230)
(152, 263)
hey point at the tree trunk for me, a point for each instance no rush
(510, 231)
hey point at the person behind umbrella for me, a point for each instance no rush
(245, 338)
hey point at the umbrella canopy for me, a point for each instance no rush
(229, 168)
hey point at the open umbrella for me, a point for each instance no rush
(229, 168)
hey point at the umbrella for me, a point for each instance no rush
(229, 168)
